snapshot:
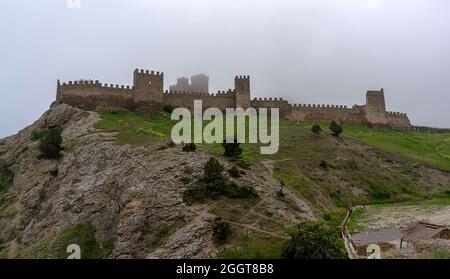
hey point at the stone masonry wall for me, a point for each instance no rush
(147, 96)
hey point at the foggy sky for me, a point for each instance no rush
(316, 51)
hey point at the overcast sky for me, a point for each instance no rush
(315, 51)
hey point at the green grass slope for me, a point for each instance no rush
(432, 149)
(329, 172)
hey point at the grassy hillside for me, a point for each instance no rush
(432, 149)
(329, 172)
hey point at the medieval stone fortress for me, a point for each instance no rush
(147, 95)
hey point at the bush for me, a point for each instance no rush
(50, 144)
(213, 170)
(232, 190)
(213, 184)
(234, 172)
(310, 240)
(232, 149)
(221, 230)
(316, 129)
(168, 108)
(280, 194)
(6, 178)
(189, 147)
(335, 128)
(38, 134)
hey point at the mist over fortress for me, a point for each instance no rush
(147, 96)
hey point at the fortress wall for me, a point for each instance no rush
(283, 105)
(147, 96)
(221, 100)
(398, 120)
(319, 112)
(92, 95)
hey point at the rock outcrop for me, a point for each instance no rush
(131, 195)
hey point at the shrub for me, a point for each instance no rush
(6, 178)
(234, 172)
(316, 129)
(323, 164)
(194, 194)
(50, 144)
(280, 194)
(232, 190)
(232, 149)
(82, 234)
(38, 134)
(213, 170)
(213, 184)
(221, 230)
(189, 147)
(310, 240)
(168, 108)
(335, 128)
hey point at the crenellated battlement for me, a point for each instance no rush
(147, 95)
(148, 72)
(90, 83)
(242, 77)
(392, 113)
(323, 106)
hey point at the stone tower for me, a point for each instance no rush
(148, 86)
(242, 89)
(148, 91)
(376, 107)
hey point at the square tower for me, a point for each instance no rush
(242, 89)
(148, 86)
(375, 107)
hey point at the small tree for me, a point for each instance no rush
(221, 230)
(50, 144)
(316, 129)
(213, 170)
(232, 149)
(335, 128)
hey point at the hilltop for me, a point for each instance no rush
(118, 187)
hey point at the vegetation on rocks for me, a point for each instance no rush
(81, 234)
(6, 178)
(221, 230)
(189, 147)
(213, 185)
(50, 143)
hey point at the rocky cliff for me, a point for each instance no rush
(122, 201)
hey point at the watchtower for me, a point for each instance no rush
(242, 89)
(376, 107)
(148, 86)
